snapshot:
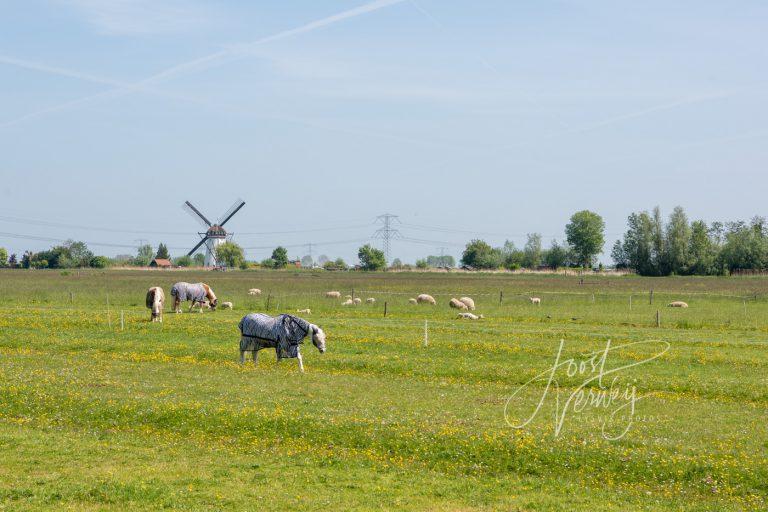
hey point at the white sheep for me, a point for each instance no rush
(535, 300)
(333, 295)
(412, 301)
(201, 305)
(470, 316)
(370, 300)
(426, 299)
(469, 302)
(347, 297)
(226, 305)
(357, 301)
(457, 304)
(305, 311)
(348, 302)
(254, 291)
(677, 304)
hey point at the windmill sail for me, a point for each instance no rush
(231, 212)
(190, 253)
(194, 212)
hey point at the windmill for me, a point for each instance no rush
(214, 234)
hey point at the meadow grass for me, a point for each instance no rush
(150, 416)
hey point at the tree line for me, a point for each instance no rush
(655, 247)
(651, 246)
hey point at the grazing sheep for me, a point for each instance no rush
(412, 301)
(284, 333)
(357, 301)
(305, 311)
(677, 304)
(201, 305)
(370, 300)
(426, 299)
(347, 297)
(470, 316)
(226, 305)
(457, 304)
(254, 291)
(197, 293)
(535, 300)
(333, 295)
(469, 302)
(348, 302)
(155, 302)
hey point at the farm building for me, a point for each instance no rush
(160, 263)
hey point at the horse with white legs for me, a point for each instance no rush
(198, 293)
(156, 302)
(284, 333)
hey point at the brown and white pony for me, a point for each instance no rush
(156, 302)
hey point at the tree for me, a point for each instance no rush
(162, 252)
(444, 261)
(677, 242)
(26, 259)
(307, 261)
(78, 254)
(532, 253)
(99, 262)
(183, 261)
(229, 254)
(702, 250)
(12, 262)
(280, 257)
(371, 258)
(422, 264)
(322, 259)
(3, 257)
(143, 255)
(586, 234)
(199, 259)
(396, 263)
(479, 254)
(556, 256)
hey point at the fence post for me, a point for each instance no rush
(501, 296)
(650, 297)
(426, 333)
(385, 309)
(71, 298)
(630, 303)
(269, 298)
(658, 318)
(122, 321)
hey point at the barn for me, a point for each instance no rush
(160, 263)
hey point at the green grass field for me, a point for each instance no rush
(99, 416)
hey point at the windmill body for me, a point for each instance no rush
(215, 234)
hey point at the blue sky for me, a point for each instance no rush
(494, 118)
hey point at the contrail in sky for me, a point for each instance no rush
(195, 65)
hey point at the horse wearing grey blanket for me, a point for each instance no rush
(198, 293)
(284, 333)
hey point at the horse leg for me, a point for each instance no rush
(301, 362)
(255, 355)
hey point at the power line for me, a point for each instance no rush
(387, 232)
(63, 240)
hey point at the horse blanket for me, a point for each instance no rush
(284, 333)
(186, 291)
